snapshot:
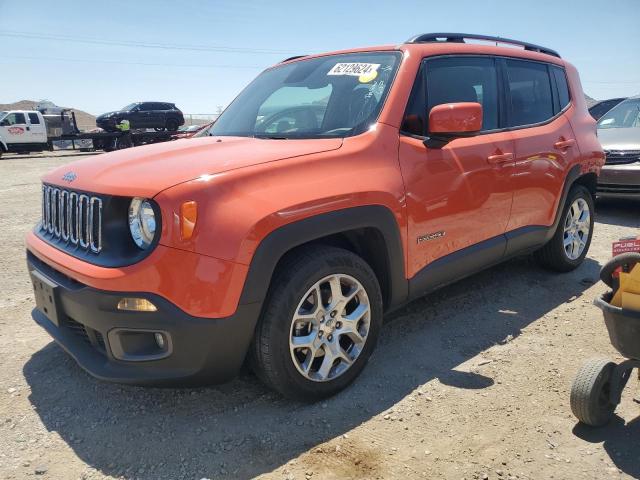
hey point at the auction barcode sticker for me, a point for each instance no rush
(354, 69)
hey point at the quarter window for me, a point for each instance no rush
(33, 118)
(530, 90)
(563, 88)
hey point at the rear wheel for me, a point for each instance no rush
(320, 323)
(569, 245)
(591, 392)
(172, 125)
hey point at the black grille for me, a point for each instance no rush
(77, 329)
(622, 157)
(91, 337)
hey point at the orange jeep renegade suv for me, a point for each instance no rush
(334, 188)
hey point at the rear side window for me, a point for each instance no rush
(530, 89)
(561, 84)
(464, 79)
(33, 118)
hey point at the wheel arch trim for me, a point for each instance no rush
(287, 237)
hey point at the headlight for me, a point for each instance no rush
(142, 222)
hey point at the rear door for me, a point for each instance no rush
(458, 195)
(13, 128)
(544, 141)
(37, 131)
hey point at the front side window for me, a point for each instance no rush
(14, 119)
(464, 79)
(530, 89)
(326, 97)
(623, 115)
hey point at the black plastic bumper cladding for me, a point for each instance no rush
(203, 350)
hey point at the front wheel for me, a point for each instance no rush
(320, 323)
(570, 243)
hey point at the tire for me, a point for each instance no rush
(553, 255)
(590, 392)
(624, 260)
(172, 125)
(273, 355)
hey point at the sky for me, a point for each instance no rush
(101, 55)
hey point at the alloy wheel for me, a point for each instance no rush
(330, 327)
(577, 228)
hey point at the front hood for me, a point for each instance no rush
(109, 114)
(619, 138)
(146, 171)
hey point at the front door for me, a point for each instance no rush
(459, 195)
(13, 128)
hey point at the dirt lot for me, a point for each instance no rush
(471, 382)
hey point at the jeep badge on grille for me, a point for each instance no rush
(69, 177)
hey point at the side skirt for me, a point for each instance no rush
(475, 258)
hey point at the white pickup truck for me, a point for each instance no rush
(22, 131)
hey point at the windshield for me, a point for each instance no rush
(332, 96)
(2, 114)
(623, 115)
(129, 107)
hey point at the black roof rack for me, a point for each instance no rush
(459, 38)
(295, 57)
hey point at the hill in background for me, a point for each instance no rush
(590, 101)
(85, 120)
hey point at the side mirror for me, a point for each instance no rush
(450, 120)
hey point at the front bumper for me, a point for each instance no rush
(203, 350)
(619, 181)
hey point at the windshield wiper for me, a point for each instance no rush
(271, 137)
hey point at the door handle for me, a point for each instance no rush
(564, 144)
(500, 158)
(28, 128)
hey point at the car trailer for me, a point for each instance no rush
(109, 141)
(100, 140)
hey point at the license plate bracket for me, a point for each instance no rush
(46, 293)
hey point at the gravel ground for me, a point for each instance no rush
(471, 382)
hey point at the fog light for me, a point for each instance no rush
(136, 305)
(160, 340)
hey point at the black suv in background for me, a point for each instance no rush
(157, 115)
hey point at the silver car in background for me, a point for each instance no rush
(619, 134)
